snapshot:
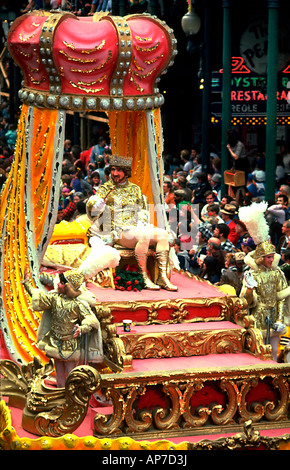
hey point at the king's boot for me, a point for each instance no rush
(142, 265)
(162, 263)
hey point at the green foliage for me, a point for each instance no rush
(128, 279)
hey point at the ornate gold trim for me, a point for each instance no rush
(48, 411)
(179, 387)
(183, 343)
(246, 439)
(232, 309)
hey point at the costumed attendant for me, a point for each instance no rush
(119, 214)
(264, 285)
(69, 329)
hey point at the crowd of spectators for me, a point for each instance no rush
(210, 240)
(83, 7)
(8, 135)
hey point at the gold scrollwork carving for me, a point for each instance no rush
(183, 413)
(180, 309)
(48, 411)
(182, 343)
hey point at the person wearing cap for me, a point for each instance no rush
(264, 285)
(118, 211)
(247, 245)
(180, 184)
(215, 182)
(262, 293)
(251, 187)
(242, 232)
(228, 213)
(67, 318)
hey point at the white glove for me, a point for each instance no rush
(249, 280)
(280, 328)
(99, 206)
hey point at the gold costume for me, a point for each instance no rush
(263, 300)
(61, 314)
(124, 207)
(118, 208)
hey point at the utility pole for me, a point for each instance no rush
(226, 88)
(271, 126)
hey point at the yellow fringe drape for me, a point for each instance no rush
(25, 186)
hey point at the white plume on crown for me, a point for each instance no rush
(253, 217)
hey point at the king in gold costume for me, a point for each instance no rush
(119, 214)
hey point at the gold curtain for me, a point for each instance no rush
(25, 186)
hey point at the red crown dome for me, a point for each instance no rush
(91, 63)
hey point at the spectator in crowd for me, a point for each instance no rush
(242, 232)
(283, 241)
(69, 212)
(198, 194)
(248, 245)
(94, 181)
(199, 250)
(212, 214)
(228, 214)
(98, 149)
(197, 168)
(186, 161)
(226, 199)
(210, 198)
(237, 151)
(215, 182)
(101, 164)
(168, 193)
(214, 262)
(182, 255)
(251, 187)
(234, 271)
(222, 232)
(285, 267)
(278, 212)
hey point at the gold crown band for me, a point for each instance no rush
(75, 278)
(117, 160)
(263, 249)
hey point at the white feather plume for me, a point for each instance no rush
(102, 256)
(253, 217)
